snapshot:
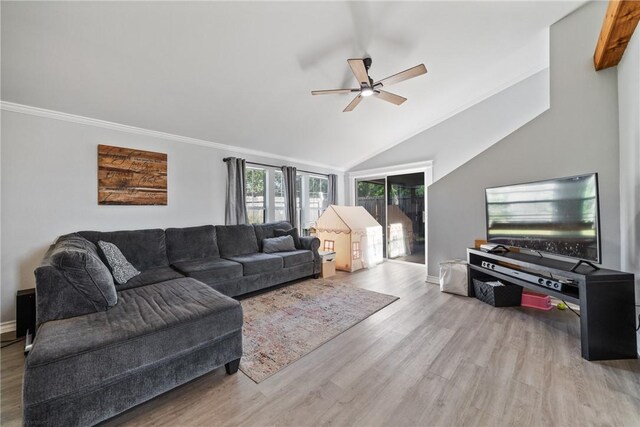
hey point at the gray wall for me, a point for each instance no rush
(578, 134)
(49, 188)
(629, 102)
(460, 138)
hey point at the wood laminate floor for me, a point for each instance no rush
(428, 359)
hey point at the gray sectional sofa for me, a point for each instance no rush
(102, 348)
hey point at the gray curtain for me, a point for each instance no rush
(289, 175)
(332, 193)
(236, 204)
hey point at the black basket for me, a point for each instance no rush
(498, 296)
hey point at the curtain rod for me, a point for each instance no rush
(277, 167)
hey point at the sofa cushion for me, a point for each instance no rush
(293, 232)
(258, 263)
(214, 277)
(185, 244)
(293, 258)
(151, 276)
(207, 264)
(210, 270)
(278, 244)
(266, 231)
(121, 269)
(236, 240)
(78, 261)
(149, 325)
(144, 249)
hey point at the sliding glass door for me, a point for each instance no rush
(405, 217)
(397, 203)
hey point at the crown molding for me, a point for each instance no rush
(88, 121)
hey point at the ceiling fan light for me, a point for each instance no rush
(367, 91)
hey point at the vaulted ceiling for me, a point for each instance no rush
(241, 73)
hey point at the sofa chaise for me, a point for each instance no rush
(102, 348)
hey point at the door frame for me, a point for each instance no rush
(425, 167)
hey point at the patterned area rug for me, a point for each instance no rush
(283, 325)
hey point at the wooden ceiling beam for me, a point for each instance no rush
(619, 23)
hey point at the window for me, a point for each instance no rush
(299, 200)
(329, 245)
(318, 192)
(278, 192)
(266, 196)
(356, 250)
(256, 195)
(312, 193)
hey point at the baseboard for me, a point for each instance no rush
(7, 326)
(433, 279)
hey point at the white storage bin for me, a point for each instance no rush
(453, 277)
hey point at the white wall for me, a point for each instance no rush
(460, 138)
(49, 188)
(629, 112)
(578, 134)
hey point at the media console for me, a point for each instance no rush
(606, 297)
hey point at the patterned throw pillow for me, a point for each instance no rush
(121, 269)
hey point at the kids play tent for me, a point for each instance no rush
(353, 234)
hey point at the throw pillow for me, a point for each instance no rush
(278, 244)
(292, 232)
(121, 269)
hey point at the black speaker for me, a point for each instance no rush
(26, 312)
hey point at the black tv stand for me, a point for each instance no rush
(582, 261)
(606, 298)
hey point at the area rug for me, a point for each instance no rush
(283, 325)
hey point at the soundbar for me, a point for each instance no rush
(527, 277)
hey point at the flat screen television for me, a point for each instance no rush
(557, 216)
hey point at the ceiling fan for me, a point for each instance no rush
(360, 69)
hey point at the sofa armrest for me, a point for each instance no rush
(312, 244)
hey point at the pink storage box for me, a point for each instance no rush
(537, 301)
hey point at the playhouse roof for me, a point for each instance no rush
(345, 219)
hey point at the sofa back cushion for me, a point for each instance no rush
(236, 240)
(267, 231)
(144, 249)
(72, 280)
(191, 243)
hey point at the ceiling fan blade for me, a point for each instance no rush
(359, 71)
(353, 104)
(416, 71)
(389, 97)
(330, 91)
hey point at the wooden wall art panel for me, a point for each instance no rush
(131, 177)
